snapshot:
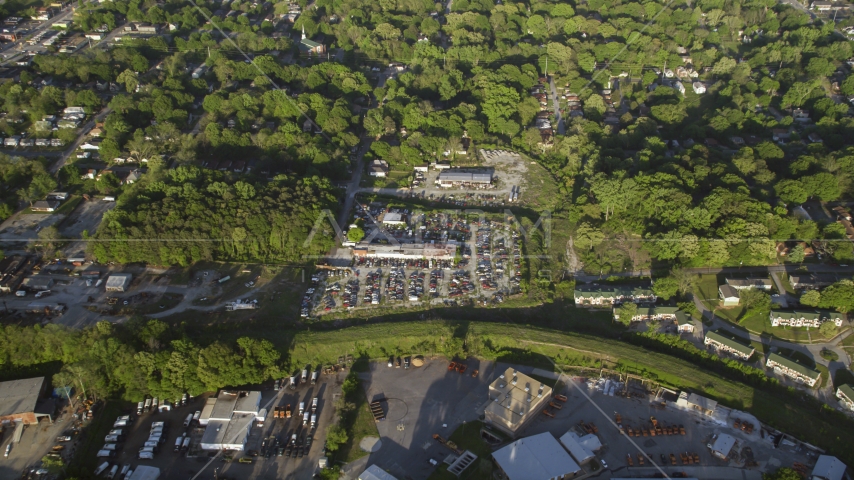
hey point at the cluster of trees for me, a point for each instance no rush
(189, 214)
(22, 179)
(135, 359)
(25, 105)
(839, 296)
(185, 17)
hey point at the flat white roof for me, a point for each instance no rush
(375, 473)
(250, 402)
(539, 457)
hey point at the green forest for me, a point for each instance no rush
(189, 214)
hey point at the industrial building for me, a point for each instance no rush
(22, 401)
(723, 446)
(792, 369)
(463, 178)
(119, 282)
(728, 345)
(539, 457)
(407, 251)
(693, 401)
(229, 420)
(515, 400)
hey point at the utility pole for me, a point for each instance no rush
(547, 66)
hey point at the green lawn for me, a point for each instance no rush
(363, 425)
(829, 355)
(825, 374)
(467, 437)
(848, 341)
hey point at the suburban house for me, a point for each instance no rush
(804, 318)
(812, 282)
(685, 324)
(742, 283)
(801, 115)
(792, 369)
(780, 135)
(378, 168)
(728, 295)
(45, 206)
(729, 345)
(698, 87)
(655, 313)
(845, 394)
(596, 295)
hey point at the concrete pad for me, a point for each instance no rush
(370, 444)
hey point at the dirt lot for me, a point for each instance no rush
(35, 443)
(87, 216)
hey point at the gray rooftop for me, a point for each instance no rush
(828, 468)
(224, 406)
(20, 396)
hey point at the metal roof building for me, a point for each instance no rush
(229, 418)
(539, 457)
(572, 442)
(19, 400)
(119, 282)
(450, 177)
(828, 468)
(515, 399)
(723, 446)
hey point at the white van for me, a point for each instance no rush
(146, 449)
(113, 472)
(146, 455)
(21, 293)
(125, 469)
(105, 453)
(188, 420)
(102, 467)
(110, 446)
(151, 443)
(186, 445)
(113, 438)
(109, 199)
(178, 442)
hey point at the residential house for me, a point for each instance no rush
(378, 168)
(792, 369)
(800, 115)
(89, 174)
(596, 295)
(729, 345)
(728, 295)
(780, 135)
(744, 283)
(684, 324)
(132, 176)
(811, 282)
(821, 6)
(804, 318)
(737, 141)
(680, 87)
(845, 394)
(814, 138)
(45, 206)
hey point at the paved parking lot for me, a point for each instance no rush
(36, 442)
(419, 403)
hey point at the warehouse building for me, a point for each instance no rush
(693, 401)
(38, 283)
(230, 420)
(581, 448)
(119, 282)
(375, 473)
(464, 178)
(22, 401)
(515, 400)
(792, 369)
(729, 345)
(539, 457)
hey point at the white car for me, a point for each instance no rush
(8, 449)
(604, 465)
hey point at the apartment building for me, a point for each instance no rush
(804, 318)
(598, 295)
(728, 345)
(845, 394)
(792, 369)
